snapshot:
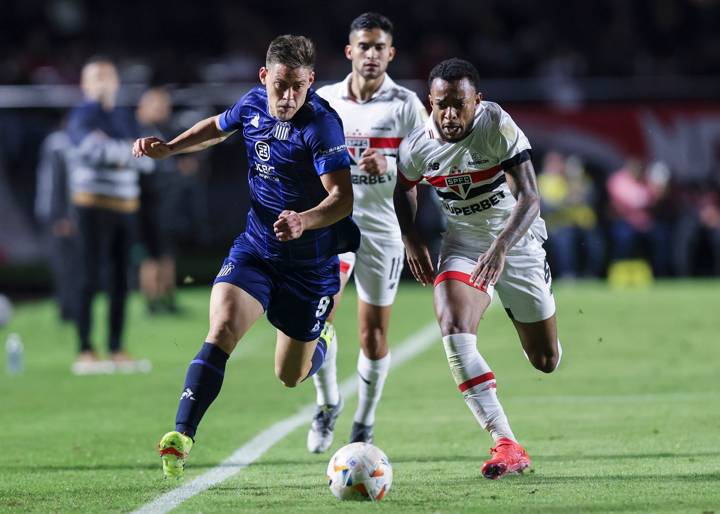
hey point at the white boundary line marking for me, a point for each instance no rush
(258, 445)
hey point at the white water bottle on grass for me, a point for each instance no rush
(14, 354)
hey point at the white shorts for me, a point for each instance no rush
(524, 287)
(377, 266)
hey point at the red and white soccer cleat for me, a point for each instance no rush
(507, 457)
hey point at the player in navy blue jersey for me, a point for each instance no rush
(285, 263)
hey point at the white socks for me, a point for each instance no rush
(326, 386)
(477, 383)
(371, 379)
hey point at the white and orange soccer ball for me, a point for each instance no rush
(359, 471)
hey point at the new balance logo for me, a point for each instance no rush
(187, 394)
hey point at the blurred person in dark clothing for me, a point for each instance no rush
(567, 195)
(636, 194)
(53, 212)
(105, 193)
(698, 219)
(158, 196)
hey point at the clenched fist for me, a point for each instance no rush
(151, 147)
(288, 226)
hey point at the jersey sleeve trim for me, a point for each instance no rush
(223, 123)
(516, 159)
(406, 181)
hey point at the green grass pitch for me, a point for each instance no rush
(630, 422)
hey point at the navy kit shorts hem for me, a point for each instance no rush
(296, 300)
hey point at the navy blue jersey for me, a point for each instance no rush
(286, 159)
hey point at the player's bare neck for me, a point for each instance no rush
(362, 89)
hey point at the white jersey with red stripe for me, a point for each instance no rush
(469, 177)
(381, 123)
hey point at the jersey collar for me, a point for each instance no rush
(387, 85)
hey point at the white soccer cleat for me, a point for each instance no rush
(320, 435)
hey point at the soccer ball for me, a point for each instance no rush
(359, 471)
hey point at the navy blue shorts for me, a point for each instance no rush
(297, 301)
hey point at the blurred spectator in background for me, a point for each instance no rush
(105, 193)
(567, 193)
(636, 195)
(699, 221)
(189, 205)
(53, 211)
(158, 192)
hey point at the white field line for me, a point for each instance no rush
(257, 446)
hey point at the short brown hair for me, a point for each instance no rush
(292, 51)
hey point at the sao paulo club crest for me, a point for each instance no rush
(356, 146)
(459, 184)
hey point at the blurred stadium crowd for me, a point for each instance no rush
(624, 171)
(46, 41)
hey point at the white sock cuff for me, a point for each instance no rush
(376, 367)
(459, 343)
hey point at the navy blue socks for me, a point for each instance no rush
(202, 384)
(318, 357)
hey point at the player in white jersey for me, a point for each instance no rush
(478, 160)
(376, 114)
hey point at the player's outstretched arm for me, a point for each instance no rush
(202, 135)
(336, 206)
(523, 185)
(417, 253)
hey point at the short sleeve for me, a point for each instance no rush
(326, 140)
(408, 172)
(508, 143)
(414, 114)
(231, 119)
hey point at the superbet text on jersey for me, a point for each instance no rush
(469, 175)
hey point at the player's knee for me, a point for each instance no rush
(450, 326)
(289, 378)
(547, 362)
(373, 342)
(225, 334)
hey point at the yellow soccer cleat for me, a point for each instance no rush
(174, 448)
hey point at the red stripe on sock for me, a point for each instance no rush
(475, 381)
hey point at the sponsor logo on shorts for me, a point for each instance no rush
(474, 208)
(262, 150)
(226, 269)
